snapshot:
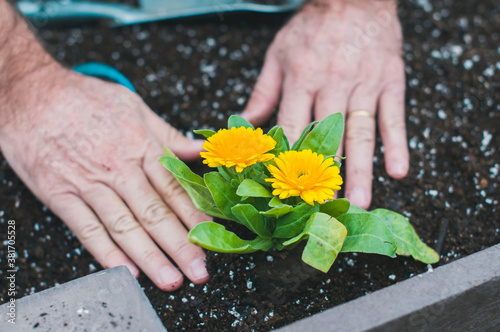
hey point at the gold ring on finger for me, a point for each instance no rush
(362, 113)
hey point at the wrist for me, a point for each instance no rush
(25, 67)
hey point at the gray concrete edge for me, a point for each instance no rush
(421, 303)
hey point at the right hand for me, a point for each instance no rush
(89, 150)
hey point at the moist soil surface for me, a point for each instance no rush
(197, 72)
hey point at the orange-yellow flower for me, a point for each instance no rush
(238, 148)
(305, 174)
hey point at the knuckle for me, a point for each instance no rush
(91, 231)
(182, 249)
(299, 66)
(395, 124)
(195, 215)
(360, 135)
(153, 255)
(172, 188)
(124, 223)
(155, 213)
(110, 257)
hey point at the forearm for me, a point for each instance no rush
(22, 58)
(339, 5)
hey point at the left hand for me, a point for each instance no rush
(340, 56)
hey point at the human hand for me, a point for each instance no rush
(89, 150)
(340, 56)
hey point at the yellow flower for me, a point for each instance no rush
(238, 147)
(305, 174)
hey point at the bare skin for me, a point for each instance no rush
(340, 56)
(89, 150)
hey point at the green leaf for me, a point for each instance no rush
(205, 132)
(278, 135)
(406, 237)
(356, 209)
(277, 211)
(326, 136)
(193, 184)
(225, 174)
(296, 145)
(325, 236)
(223, 193)
(275, 201)
(248, 216)
(336, 207)
(294, 222)
(252, 189)
(256, 173)
(367, 233)
(215, 237)
(167, 152)
(237, 122)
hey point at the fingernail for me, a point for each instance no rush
(357, 196)
(133, 269)
(398, 168)
(198, 269)
(169, 276)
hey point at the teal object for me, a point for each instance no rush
(105, 71)
(43, 12)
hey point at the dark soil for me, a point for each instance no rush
(196, 73)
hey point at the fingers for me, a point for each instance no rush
(91, 232)
(393, 131)
(161, 223)
(132, 237)
(266, 93)
(332, 99)
(295, 109)
(359, 145)
(183, 147)
(172, 192)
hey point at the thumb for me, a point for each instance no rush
(266, 93)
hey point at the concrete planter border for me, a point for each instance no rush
(461, 296)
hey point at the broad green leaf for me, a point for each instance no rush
(205, 132)
(252, 189)
(204, 205)
(406, 238)
(296, 145)
(367, 233)
(223, 193)
(326, 236)
(193, 184)
(237, 122)
(356, 209)
(215, 237)
(278, 135)
(180, 169)
(277, 211)
(248, 216)
(293, 223)
(336, 207)
(275, 201)
(325, 137)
